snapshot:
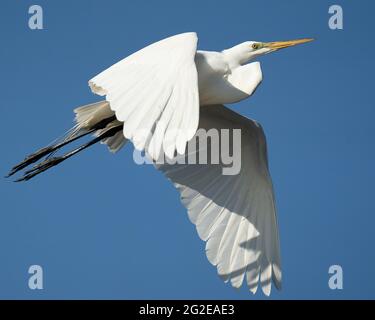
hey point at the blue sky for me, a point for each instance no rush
(103, 227)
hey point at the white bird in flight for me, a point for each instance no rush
(158, 97)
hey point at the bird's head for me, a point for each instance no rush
(246, 51)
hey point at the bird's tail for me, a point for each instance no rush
(97, 119)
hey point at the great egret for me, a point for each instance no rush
(153, 98)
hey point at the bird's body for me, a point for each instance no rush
(221, 82)
(158, 98)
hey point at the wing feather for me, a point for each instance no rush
(154, 92)
(235, 215)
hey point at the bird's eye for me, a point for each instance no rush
(255, 46)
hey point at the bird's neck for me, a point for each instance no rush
(236, 56)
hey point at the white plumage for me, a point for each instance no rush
(158, 97)
(155, 93)
(234, 214)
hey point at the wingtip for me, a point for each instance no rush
(253, 289)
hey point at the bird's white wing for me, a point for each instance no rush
(155, 93)
(234, 214)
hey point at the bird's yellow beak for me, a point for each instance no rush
(285, 44)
